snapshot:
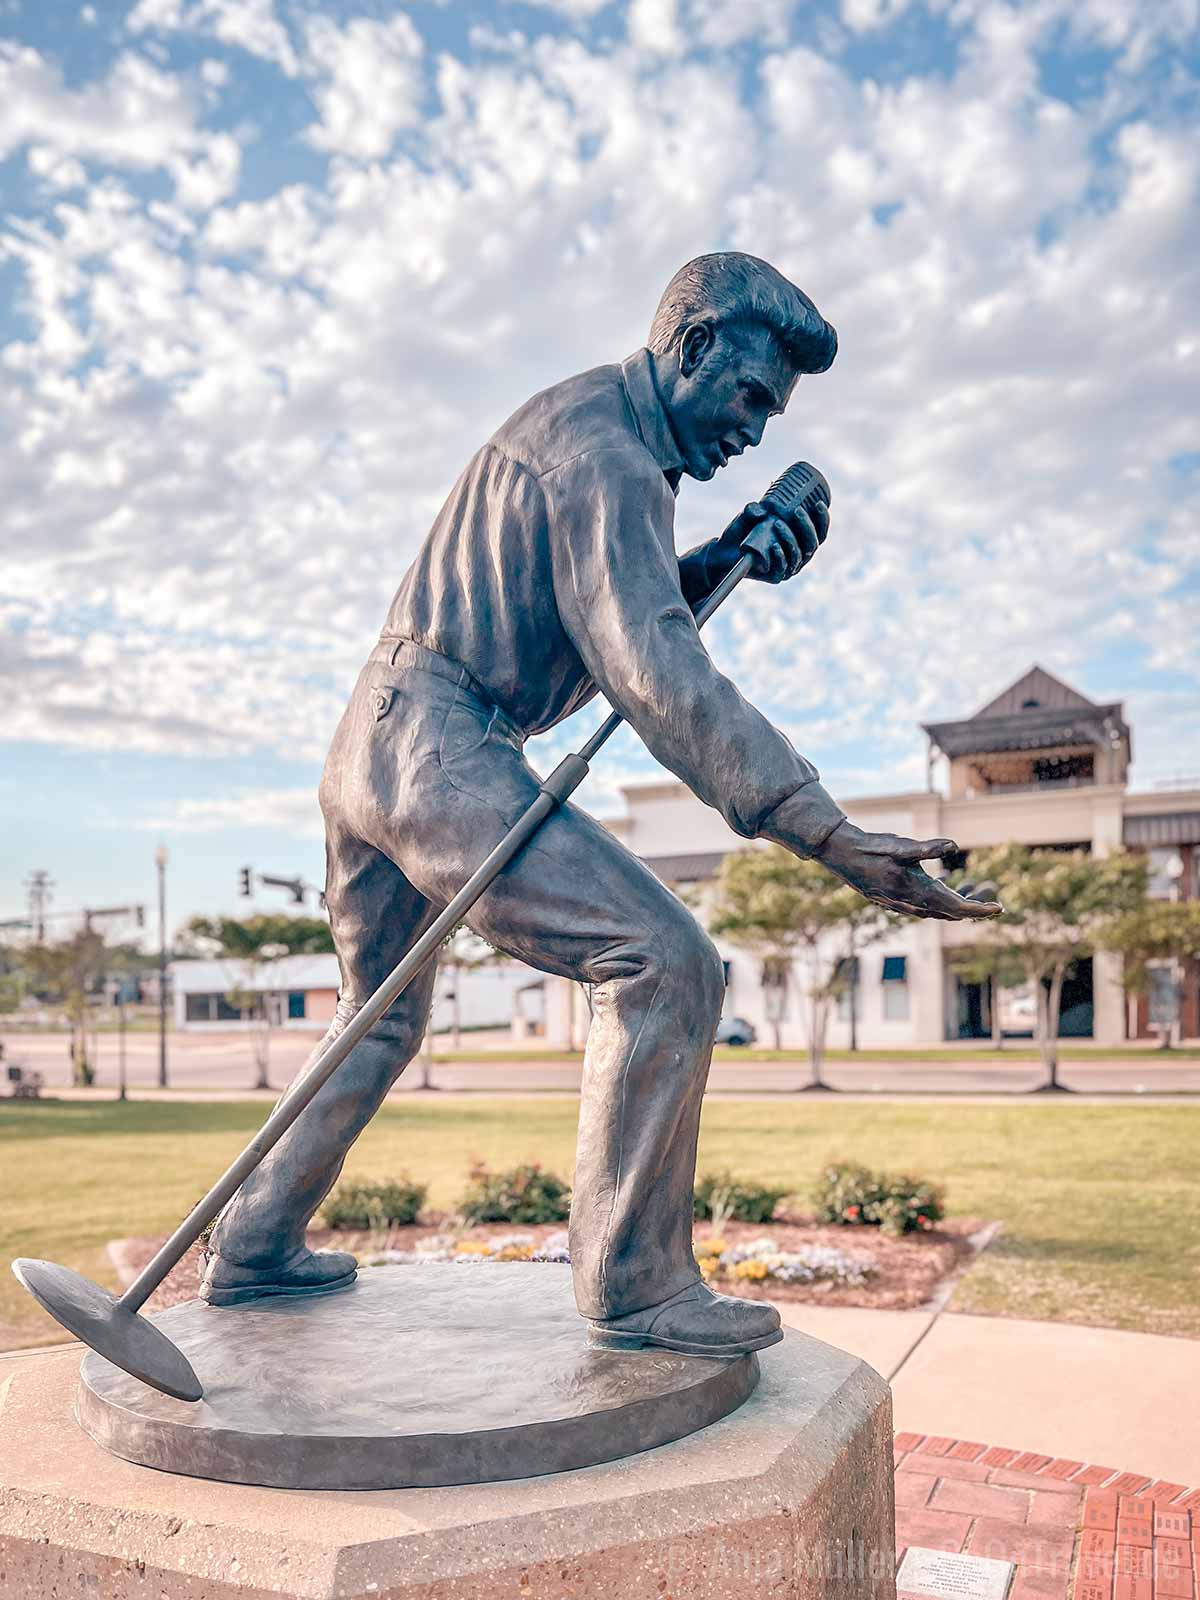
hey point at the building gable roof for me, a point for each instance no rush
(1047, 693)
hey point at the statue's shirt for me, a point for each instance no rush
(551, 572)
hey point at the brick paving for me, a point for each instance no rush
(1076, 1530)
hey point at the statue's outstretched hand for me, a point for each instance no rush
(796, 540)
(887, 869)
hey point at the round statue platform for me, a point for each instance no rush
(415, 1377)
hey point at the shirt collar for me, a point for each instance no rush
(650, 415)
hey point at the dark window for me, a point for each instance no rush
(296, 1004)
(895, 969)
(198, 1007)
(727, 969)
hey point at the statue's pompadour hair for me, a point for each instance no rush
(730, 287)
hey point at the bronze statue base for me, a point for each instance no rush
(415, 1376)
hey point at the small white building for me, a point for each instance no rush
(301, 992)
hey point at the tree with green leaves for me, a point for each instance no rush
(244, 946)
(1059, 906)
(785, 910)
(1157, 936)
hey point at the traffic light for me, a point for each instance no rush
(244, 885)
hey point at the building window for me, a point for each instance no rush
(198, 1007)
(296, 1005)
(895, 988)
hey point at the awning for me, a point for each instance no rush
(1167, 827)
(895, 969)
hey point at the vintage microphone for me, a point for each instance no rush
(111, 1325)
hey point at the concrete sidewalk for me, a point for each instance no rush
(1099, 1394)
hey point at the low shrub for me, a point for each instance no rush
(857, 1197)
(721, 1198)
(373, 1206)
(526, 1194)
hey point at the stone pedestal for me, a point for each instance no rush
(790, 1497)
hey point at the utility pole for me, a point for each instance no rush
(160, 861)
(38, 884)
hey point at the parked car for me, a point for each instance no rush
(735, 1031)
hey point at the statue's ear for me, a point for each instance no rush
(697, 341)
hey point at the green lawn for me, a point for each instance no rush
(1099, 1203)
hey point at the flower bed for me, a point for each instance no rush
(802, 1264)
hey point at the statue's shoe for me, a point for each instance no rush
(306, 1272)
(694, 1322)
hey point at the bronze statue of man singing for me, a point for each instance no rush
(551, 574)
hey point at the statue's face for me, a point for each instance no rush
(731, 381)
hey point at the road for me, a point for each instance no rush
(222, 1062)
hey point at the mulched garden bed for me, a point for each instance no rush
(906, 1272)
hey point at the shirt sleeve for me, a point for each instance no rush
(618, 589)
(694, 578)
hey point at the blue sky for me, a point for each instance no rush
(270, 270)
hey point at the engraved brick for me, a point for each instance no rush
(937, 1445)
(1094, 1476)
(998, 1456)
(1129, 1483)
(1100, 1511)
(1092, 1588)
(1136, 1505)
(1097, 1557)
(1133, 1589)
(1171, 1524)
(1030, 1461)
(1134, 1560)
(1060, 1467)
(967, 1450)
(1162, 1492)
(1134, 1530)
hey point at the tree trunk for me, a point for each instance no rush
(1054, 1010)
(994, 1004)
(816, 1041)
(456, 1007)
(777, 1033)
(261, 1045)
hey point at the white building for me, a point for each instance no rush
(1039, 765)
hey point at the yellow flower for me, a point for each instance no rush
(751, 1269)
(474, 1247)
(515, 1252)
(710, 1247)
(708, 1265)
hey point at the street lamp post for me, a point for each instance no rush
(160, 861)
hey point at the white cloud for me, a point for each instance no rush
(654, 25)
(251, 25)
(367, 83)
(291, 812)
